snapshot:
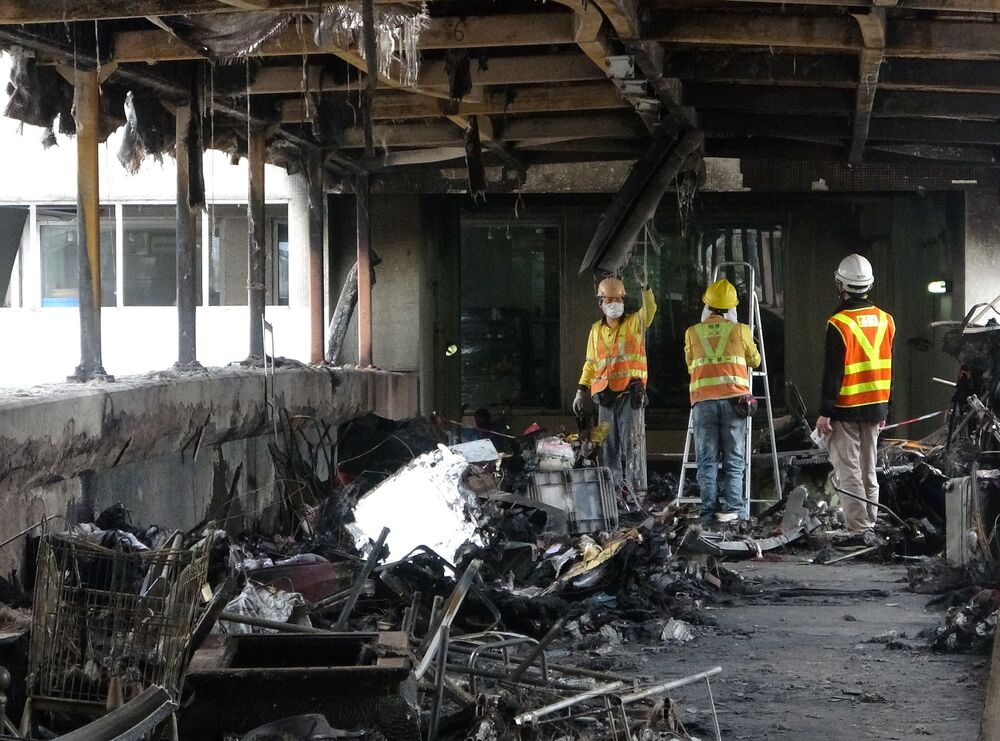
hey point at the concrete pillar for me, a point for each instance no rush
(980, 273)
(298, 241)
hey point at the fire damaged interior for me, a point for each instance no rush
(399, 511)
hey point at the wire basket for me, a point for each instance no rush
(110, 622)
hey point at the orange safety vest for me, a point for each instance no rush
(867, 335)
(718, 364)
(621, 360)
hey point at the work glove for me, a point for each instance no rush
(578, 402)
(637, 394)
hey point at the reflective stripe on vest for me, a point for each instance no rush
(719, 371)
(620, 361)
(867, 335)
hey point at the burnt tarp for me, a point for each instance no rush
(227, 35)
(638, 199)
(12, 220)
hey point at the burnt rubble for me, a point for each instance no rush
(403, 588)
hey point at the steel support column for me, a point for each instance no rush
(364, 272)
(256, 241)
(87, 112)
(187, 286)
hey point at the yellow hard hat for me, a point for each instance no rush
(721, 295)
(611, 288)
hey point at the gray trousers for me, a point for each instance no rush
(853, 450)
(624, 450)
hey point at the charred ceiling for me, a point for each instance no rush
(544, 81)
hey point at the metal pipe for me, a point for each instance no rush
(256, 242)
(532, 716)
(537, 649)
(187, 288)
(504, 677)
(442, 623)
(87, 114)
(359, 583)
(665, 687)
(232, 617)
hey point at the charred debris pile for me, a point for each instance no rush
(408, 588)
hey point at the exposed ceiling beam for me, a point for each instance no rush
(719, 124)
(839, 70)
(904, 37)
(590, 35)
(950, 153)
(951, 6)
(522, 70)
(769, 99)
(530, 29)
(548, 99)
(623, 15)
(872, 25)
(524, 131)
(245, 4)
(51, 11)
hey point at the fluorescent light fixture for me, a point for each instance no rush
(938, 286)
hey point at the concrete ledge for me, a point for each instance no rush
(58, 432)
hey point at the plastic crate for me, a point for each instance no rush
(585, 494)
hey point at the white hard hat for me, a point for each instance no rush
(854, 274)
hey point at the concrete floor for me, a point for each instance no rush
(797, 668)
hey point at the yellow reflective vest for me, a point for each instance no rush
(867, 333)
(616, 356)
(718, 352)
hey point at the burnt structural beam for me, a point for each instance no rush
(317, 210)
(187, 286)
(256, 240)
(905, 37)
(870, 60)
(87, 114)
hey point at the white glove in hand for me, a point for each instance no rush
(578, 402)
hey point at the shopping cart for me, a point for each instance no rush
(109, 621)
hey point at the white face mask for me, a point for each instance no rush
(613, 310)
(730, 315)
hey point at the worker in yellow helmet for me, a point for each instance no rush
(720, 352)
(614, 375)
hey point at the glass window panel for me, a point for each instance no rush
(229, 227)
(59, 246)
(510, 314)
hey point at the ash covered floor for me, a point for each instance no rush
(805, 667)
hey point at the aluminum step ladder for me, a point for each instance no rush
(758, 379)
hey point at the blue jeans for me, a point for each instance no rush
(719, 429)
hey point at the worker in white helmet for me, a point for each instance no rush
(614, 376)
(857, 383)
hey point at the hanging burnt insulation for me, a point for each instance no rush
(148, 128)
(397, 34)
(38, 94)
(196, 147)
(227, 36)
(474, 161)
(458, 68)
